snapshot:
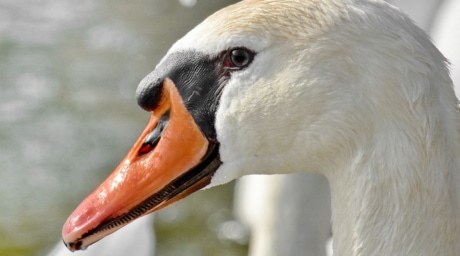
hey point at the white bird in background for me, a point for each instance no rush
(286, 214)
(446, 35)
(349, 89)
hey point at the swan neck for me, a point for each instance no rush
(398, 198)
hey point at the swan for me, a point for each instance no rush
(286, 214)
(349, 89)
(270, 204)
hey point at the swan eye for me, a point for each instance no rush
(238, 58)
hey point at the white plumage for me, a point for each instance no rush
(351, 90)
(287, 214)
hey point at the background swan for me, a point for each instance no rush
(446, 35)
(286, 214)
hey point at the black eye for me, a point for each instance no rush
(238, 58)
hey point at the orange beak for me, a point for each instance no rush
(171, 159)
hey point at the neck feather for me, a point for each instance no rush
(399, 195)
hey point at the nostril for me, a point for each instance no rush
(146, 147)
(148, 93)
(152, 139)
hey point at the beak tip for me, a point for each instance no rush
(72, 230)
(72, 246)
(70, 237)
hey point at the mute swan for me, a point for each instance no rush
(287, 214)
(270, 204)
(349, 89)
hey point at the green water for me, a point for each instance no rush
(68, 72)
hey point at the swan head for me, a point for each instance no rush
(268, 87)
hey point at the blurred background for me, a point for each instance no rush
(68, 73)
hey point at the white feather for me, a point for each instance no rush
(352, 90)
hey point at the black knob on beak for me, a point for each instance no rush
(148, 94)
